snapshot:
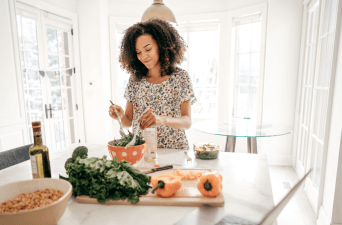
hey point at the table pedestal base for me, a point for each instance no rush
(230, 144)
(251, 144)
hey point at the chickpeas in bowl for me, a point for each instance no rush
(34, 197)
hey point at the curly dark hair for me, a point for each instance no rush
(170, 44)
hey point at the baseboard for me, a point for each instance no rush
(279, 159)
(322, 217)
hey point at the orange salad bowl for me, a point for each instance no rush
(132, 154)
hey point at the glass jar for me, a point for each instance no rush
(206, 151)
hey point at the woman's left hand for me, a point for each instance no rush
(150, 119)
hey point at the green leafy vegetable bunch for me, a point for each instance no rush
(80, 151)
(106, 179)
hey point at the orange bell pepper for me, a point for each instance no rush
(166, 185)
(210, 184)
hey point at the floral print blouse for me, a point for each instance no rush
(164, 99)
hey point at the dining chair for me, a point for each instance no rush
(14, 156)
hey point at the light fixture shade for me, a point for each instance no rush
(158, 10)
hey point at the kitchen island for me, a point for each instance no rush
(246, 189)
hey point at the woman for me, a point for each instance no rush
(150, 52)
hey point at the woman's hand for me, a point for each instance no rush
(150, 119)
(115, 108)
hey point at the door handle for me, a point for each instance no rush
(46, 111)
(50, 111)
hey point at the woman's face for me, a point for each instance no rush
(147, 51)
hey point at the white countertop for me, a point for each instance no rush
(246, 189)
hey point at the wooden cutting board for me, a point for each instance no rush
(188, 195)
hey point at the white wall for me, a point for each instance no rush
(135, 8)
(12, 115)
(281, 66)
(69, 5)
(94, 51)
(105, 49)
(281, 73)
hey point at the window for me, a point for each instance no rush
(28, 43)
(123, 77)
(202, 66)
(246, 47)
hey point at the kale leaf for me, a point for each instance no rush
(106, 179)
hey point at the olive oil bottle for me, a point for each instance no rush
(39, 154)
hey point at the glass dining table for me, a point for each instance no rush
(233, 128)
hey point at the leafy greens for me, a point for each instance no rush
(125, 140)
(106, 179)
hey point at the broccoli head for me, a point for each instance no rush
(70, 160)
(80, 151)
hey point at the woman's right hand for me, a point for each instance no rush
(115, 108)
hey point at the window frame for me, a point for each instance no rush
(236, 61)
(198, 26)
(114, 63)
(262, 9)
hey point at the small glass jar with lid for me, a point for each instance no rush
(207, 150)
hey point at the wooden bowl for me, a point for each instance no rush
(44, 215)
(132, 154)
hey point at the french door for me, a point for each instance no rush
(320, 53)
(308, 76)
(47, 68)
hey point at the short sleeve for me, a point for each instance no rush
(187, 91)
(130, 89)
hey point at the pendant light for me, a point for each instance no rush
(158, 10)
